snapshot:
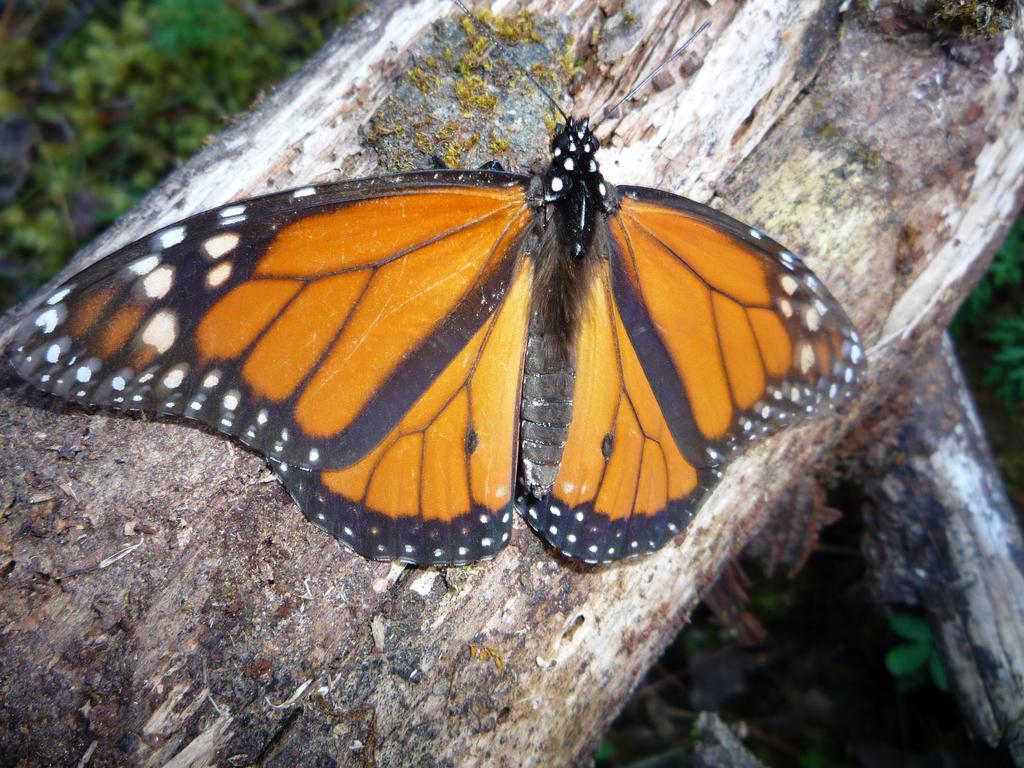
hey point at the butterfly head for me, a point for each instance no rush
(574, 169)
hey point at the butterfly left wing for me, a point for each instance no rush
(312, 325)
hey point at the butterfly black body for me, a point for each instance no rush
(575, 197)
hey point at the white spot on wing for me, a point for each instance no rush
(304, 192)
(144, 265)
(48, 320)
(812, 319)
(218, 245)
(58, 296)
(161, 331)
(218, 274)
(171, 237)
(806, 357)
(174, 377)
(158, 282)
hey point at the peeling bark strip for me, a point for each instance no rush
(237, 633)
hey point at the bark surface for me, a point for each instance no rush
(164, 603)
(942, 537)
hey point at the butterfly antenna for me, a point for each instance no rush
(607, 112)
(489, 34)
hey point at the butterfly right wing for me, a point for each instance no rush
(700, 335)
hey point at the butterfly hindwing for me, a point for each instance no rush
(623, 486)
(437, 490)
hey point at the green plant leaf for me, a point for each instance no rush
(1005, 373)
(937, 671)
(906, 659)
(910, 627)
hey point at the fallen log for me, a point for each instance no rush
(163, 600)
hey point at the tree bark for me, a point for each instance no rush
(942, 536)
(164, 602)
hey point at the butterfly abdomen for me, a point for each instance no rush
(548, 380)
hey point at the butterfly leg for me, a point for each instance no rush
(438, 164)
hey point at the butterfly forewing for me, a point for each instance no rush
(280, 319)
(738, 336)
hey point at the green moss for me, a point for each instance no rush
(567, 59)
(427, 82)
(498, 146)
(514, 29)
(474, 93)
(976, 19)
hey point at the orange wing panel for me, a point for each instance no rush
(89, 309)
(366, 233)
(595, 405)
(776, 346)
(404, 302)
(291, 347)
(737, 336)
(739, 348)
(118, 331)
(237, 319)
(716, 258)
(680, 300)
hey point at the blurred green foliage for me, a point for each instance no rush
(99, 101)
(994, 315)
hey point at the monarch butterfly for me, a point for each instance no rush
(418, 355)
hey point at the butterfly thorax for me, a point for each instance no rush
(573, 184)
(576, 201)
